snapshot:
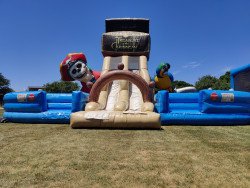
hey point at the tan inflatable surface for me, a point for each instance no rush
(120, 98)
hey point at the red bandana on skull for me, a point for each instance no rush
(73, 66)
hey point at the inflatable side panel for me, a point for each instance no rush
(59, 98)
(204, 119)
(23, 107)
(224, 102)
(79, 100)
(52, 116)
(32, 107)
(183, 106)
(62, 106)
(59, 101)
(34, 101)
(162, 104)
(183, 97)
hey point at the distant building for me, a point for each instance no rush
(35, 88)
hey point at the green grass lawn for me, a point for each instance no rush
(55, 155)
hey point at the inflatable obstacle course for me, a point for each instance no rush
(122, 96)
(208, 107)
(40, 107)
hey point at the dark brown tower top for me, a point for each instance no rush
(127, 24)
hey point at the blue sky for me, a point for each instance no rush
(197, 37)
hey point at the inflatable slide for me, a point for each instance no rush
(121, 97)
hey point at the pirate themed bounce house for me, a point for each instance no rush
(122, 94)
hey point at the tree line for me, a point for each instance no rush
(205, 82)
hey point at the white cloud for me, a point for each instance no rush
(191, 65)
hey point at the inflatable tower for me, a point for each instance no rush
(121, 97)
(240, 78)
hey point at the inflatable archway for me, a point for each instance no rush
(121, 75)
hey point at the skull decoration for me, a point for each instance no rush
(78, 70)
(74, 67)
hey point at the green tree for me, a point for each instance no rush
(4, 84)
(4, 87)
(180, 84)
(223, 83)
(206, 82)
(61, 87)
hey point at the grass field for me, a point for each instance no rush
(178, 156)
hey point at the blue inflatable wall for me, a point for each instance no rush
(39, 107)
(208, 107)
(25, 102)
(224, 102)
